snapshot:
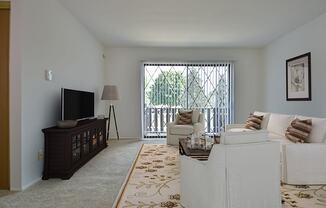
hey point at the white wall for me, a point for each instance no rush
(123, 67)
(50, 38)
(308, 38)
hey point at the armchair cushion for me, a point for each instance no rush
(181, 129)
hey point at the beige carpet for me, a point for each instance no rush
(154, 181)
(95, 185)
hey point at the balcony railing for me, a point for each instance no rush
(156, 119)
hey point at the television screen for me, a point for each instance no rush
(76, 104)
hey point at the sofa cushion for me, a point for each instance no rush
(243, 137)
(264, 123)
(318, 131)
(278, 123)
(181, 129)
(239, 130)
(276, 137)
(254, 122)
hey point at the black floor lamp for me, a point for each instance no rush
(110, 93)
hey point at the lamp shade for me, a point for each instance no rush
(110, 92)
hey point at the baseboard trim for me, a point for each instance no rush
(125, 138)
(15, 189)
(31, 183)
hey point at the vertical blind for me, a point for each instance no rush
(169, 87)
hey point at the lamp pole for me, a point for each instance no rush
(110, 93)
(115, 121)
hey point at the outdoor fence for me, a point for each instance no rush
(156, 119)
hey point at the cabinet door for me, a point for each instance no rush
(76, 147)
(94, 142)
(85, 142)
(100, 132)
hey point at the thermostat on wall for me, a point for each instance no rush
(48, 75)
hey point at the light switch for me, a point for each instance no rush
(48, 75)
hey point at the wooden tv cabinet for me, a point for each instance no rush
(66, 150)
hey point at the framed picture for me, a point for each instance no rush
(298, 78)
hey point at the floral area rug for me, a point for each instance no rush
(154, 182)
(154, 179)
(303, 196)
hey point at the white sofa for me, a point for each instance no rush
(301, 163)
(241, 171)
(175, 131)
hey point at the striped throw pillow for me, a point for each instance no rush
(185, 118)
(254, 122)
(299, 130)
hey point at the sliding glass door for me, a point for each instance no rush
(168, 87)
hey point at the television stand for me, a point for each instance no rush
(86, 121)
(66, 150)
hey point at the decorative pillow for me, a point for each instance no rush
(264, 123)
(299, 130)
(318, 132)
(185, 118)
(254, 122)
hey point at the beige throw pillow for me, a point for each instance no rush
(299, 130)
(254, 122)
(185, 118)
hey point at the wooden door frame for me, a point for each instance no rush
(5, 5)
(4, 106)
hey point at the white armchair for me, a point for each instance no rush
(175, 131)
(241, 172)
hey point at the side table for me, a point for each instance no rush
(199, 154)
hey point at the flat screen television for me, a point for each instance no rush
(76, 105)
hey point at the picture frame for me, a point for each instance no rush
(298, 78)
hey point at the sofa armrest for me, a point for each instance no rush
(202, 119)
(199, 127)
(191, 162)
(191, 171)
(172, 123)
(232, 126)
(304, 163)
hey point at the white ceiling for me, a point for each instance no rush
(192, 23)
